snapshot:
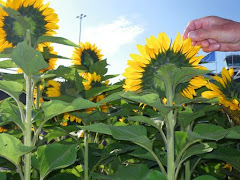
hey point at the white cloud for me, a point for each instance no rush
(110, 37)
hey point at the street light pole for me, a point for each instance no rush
(80, 17)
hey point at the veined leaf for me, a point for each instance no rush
(7, 87)
(56, 107)
(7, 64)
(10, 113)
(28, 59)
(55, 156)
(152, 100)
(55, 39)
(12, 148)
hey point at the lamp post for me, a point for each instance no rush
(80, 17)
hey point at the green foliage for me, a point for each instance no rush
(28, 59)
(10, 113)
(56, 107)
(55, 39)
(7, 87)
(12, 149)
(54, 156)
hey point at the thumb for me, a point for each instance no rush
(202, 34)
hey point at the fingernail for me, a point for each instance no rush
(192, 34)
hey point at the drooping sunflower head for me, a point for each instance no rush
(158, 51)
(40, 17)
(91, 80)
(86, 54)
(227, 91)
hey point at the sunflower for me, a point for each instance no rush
(71, 118)
(53, 89)
(194, 83)
(86, 54)
(40, 17)
(103, 108)
(157, 52)
(2, 129)
(90, 79)
(227, 92)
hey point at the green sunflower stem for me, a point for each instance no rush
(86, 155)
(28, 126)
(170, 134)
(170, 147)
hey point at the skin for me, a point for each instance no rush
(214, 34)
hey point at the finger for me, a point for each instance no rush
(211, 41)
(194, 43)
(194, 25)
(212, 47)
(205, 44)
(204, 34)
(229, 47)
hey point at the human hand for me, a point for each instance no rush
(214, 34)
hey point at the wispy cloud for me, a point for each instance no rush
(110, 37)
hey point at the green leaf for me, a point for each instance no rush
(3, 176)
(199, 149)
(135, 134)
(152, 100)
(10, 113)
(99, 67)
(7, 64)
(7, 87)
(142, 153)
(205, 177)
(98, 90)
(144, 119)
(14, 77)
(28, 59)
(55, 39)
(181, 139)
(209, 131)
(226, 154)
(112, 97)
(12, 148)
(78, 81)
(186, 117)
(65, 72)
(55, 156)
(184, 74)
(6, 53)
(63, 176)
(56, 107)
(154, 175)
(55, 132)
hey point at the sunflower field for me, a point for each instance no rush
(168, 119)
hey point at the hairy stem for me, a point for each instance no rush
(28, 126)
(86, 155)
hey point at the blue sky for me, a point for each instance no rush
(117, 27)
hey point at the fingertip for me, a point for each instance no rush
(192, 35)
